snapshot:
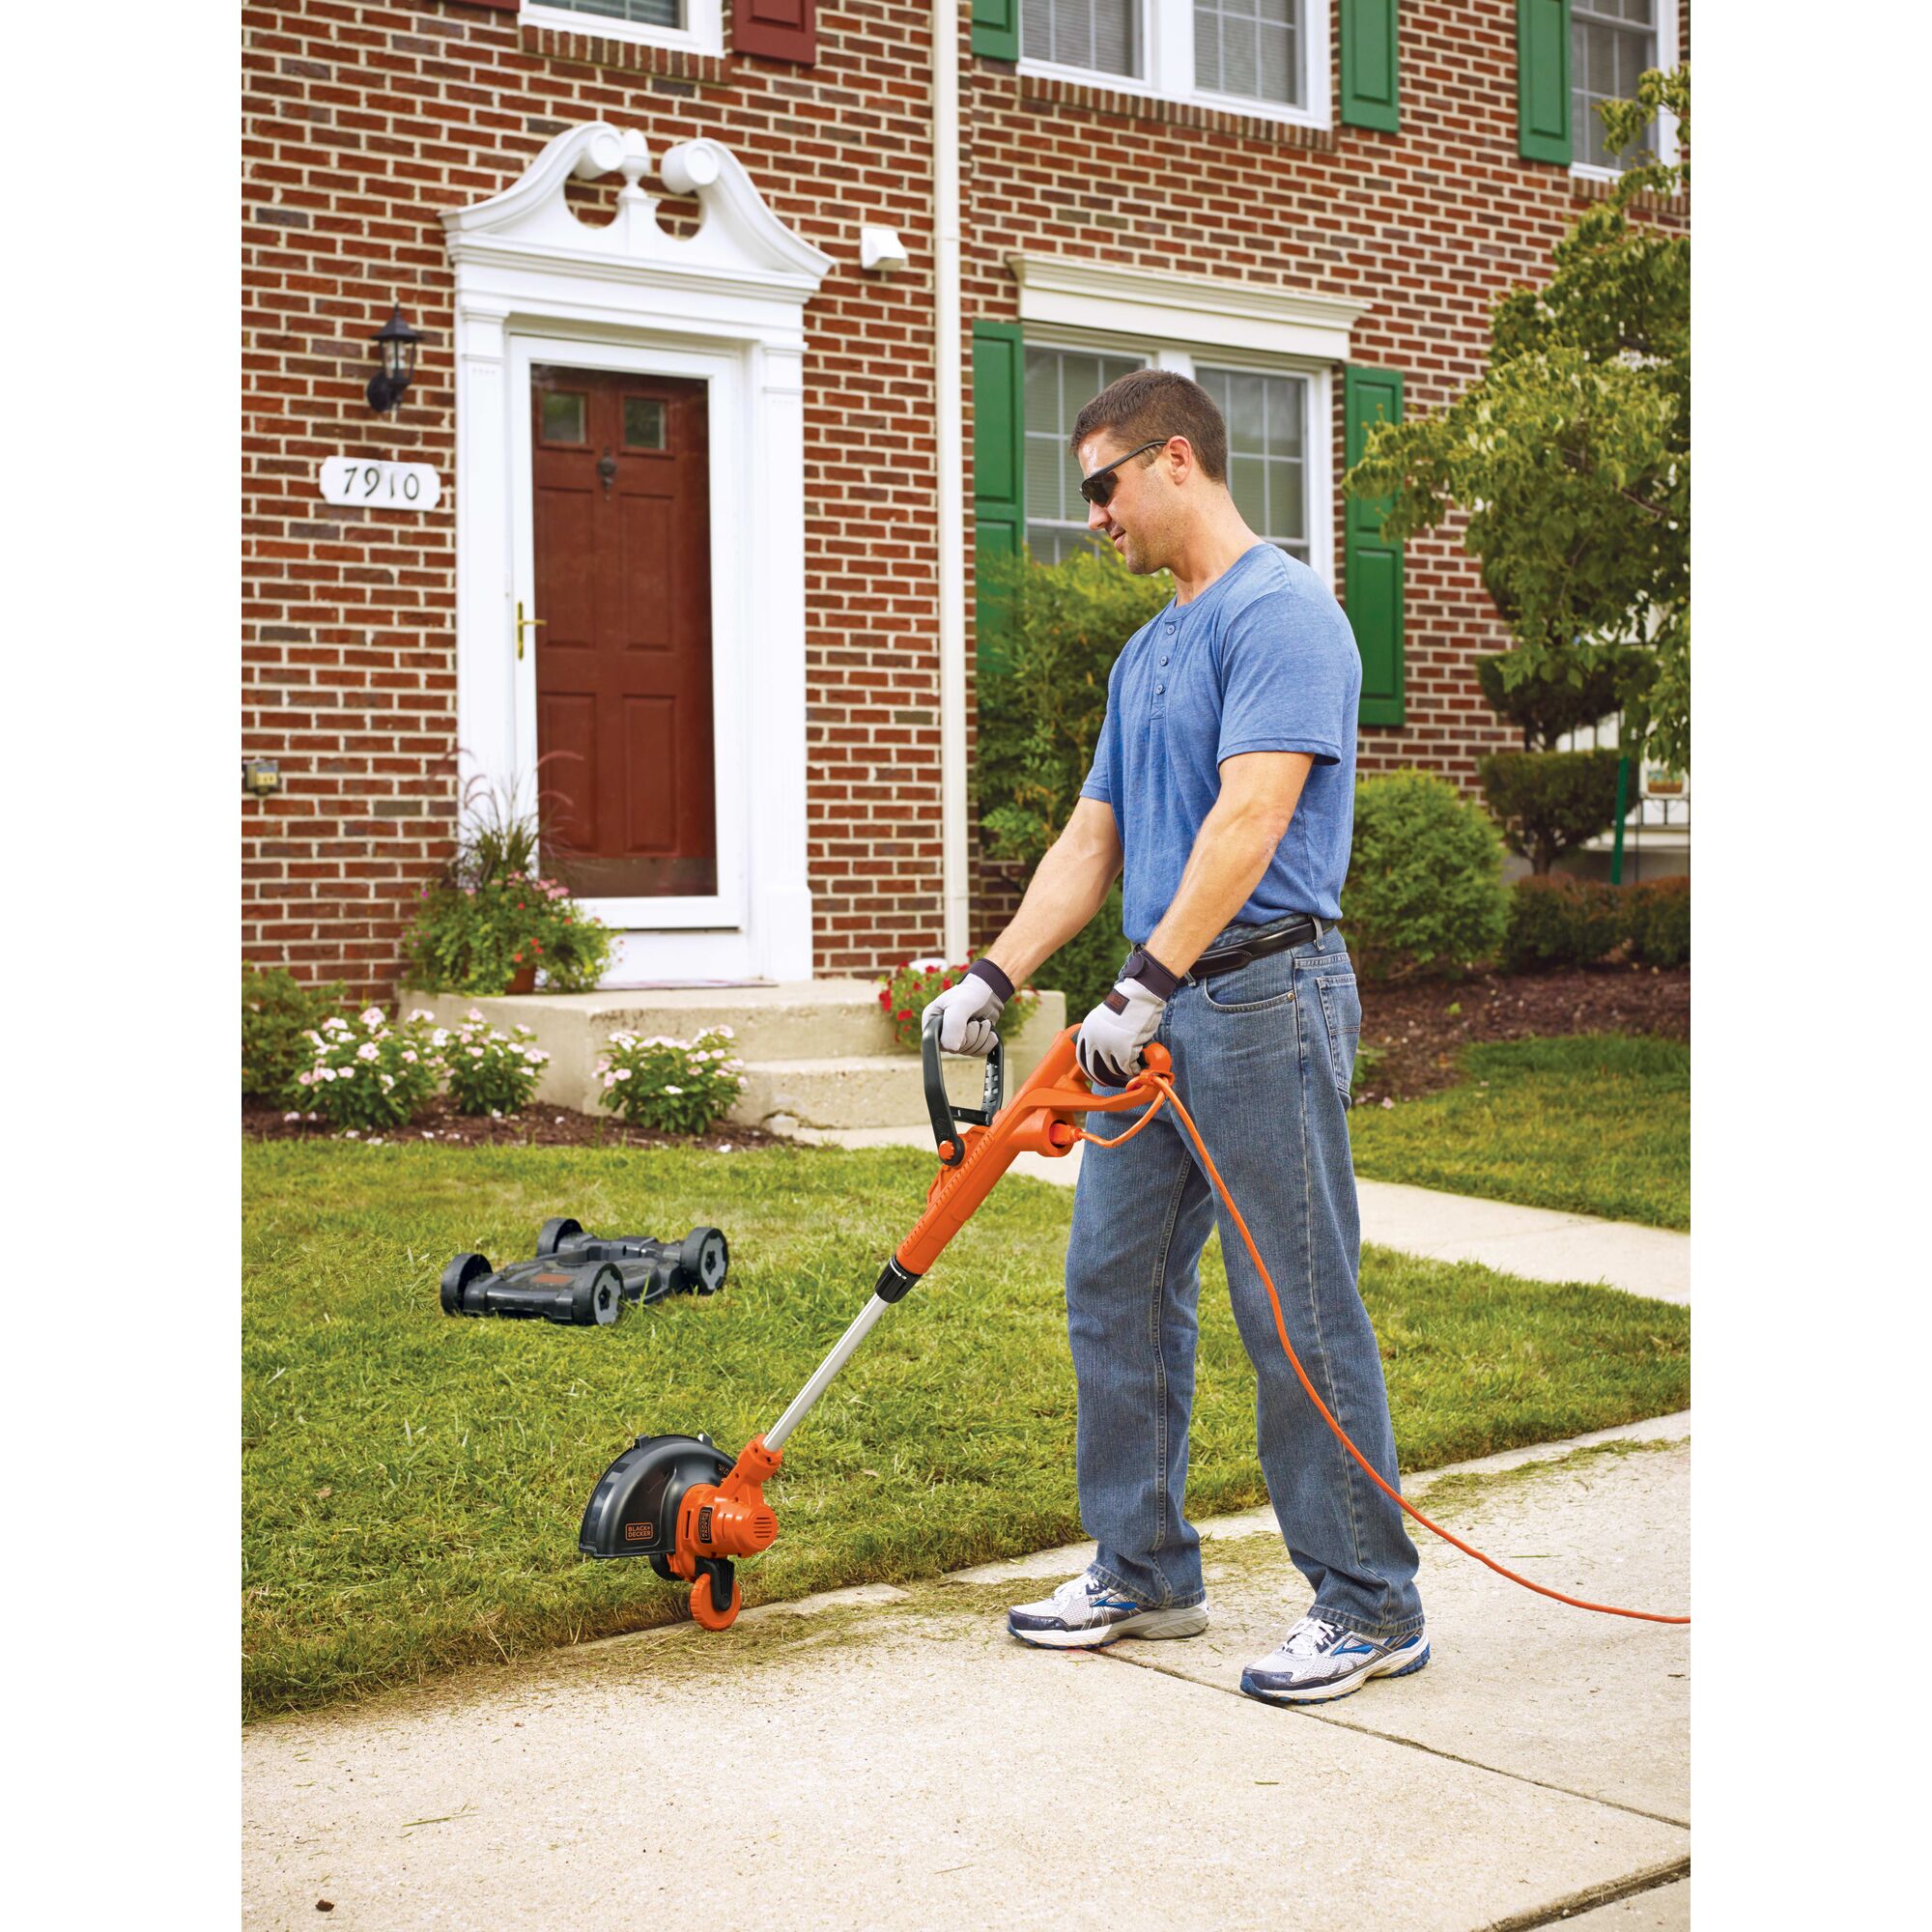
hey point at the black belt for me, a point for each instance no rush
(1225, 958)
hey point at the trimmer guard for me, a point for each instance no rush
(633, 1511)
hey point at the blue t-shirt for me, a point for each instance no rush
(1261, 661)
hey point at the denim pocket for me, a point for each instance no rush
(1253, 989)
(1342, 1012)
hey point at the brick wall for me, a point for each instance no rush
(364, 122)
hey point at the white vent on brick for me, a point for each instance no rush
(1099, 35)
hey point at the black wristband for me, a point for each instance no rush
(984, 969)
(1142, 966)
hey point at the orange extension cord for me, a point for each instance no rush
(1167, 1093)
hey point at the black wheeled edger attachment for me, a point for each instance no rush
(584, 1280)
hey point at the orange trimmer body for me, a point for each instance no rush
(716, 1522)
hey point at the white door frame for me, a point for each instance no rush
(533, 282)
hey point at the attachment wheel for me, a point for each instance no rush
(704, 1258)
(598, 1296)
(457, 1276)
(555, 1232)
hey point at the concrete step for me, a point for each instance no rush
(864, 1091)
(818, 1054)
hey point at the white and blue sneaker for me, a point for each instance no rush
(1316, 1660)
(1084, 1613)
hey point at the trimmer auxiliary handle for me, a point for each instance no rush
(664, 1497)
(939, 1106)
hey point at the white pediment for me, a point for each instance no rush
(738, 242)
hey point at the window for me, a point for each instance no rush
(1611, 43)
(1058, 381)
(1251, 55)
(1093, 34)
(1250, 48)
(1268, 468)
(635, 13)
(696, 26)
(1268, 414)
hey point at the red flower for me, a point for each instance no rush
(517, 957)
(903, 1014)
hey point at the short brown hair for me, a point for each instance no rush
(1147, 403)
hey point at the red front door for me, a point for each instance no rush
(621, 495)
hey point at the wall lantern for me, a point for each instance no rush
(397, 341)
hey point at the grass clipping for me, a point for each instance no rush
(412, 1484)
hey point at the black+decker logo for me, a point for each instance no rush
(639, 1532)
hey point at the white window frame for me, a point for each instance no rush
(1165, 30)
(1176, 320)
(702, 32)
(1317, 427)
(1666, 122)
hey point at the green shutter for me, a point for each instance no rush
(999, 465)
(1370, 568)
(1368, 64)
(996, 28)
(1543, 80)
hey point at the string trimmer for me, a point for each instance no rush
(679, 1501)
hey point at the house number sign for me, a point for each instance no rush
(380, 486)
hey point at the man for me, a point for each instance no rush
(1224, 785)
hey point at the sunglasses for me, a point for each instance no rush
(1099, 488)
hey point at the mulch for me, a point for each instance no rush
(535, 1126)
(1418, 1029)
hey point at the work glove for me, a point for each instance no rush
(1111, 1037)
(967, 1011)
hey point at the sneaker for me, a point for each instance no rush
(1084, 1613)
(1316, 1660)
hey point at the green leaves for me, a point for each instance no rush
(1039, 719)
(1572, 454)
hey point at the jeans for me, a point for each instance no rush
(1263, 1057)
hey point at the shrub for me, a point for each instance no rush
(676, 1086)
(1043, 692)
(1656, 921)
(476, 938)
(278, 1013)
(1565, 697)
(488, 1072)
(1551, 802)
(368, 1073)
(1557, 921)
(1087, 966)
(1425, 886)
(906, 993)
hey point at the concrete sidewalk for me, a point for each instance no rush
(1534, 1242)
(891, 1758)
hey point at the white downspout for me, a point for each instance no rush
(949, 403)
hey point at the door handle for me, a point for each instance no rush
(522, 624)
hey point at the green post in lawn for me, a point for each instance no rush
(1617, 835)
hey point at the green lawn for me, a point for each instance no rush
(1595, 1124)
(412, 1484)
